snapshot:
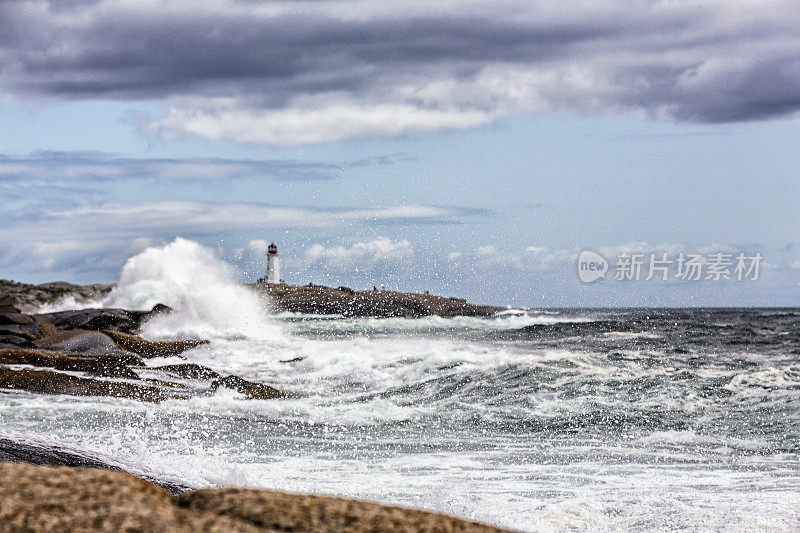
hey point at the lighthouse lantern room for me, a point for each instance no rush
(273, 266)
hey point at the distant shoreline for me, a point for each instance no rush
(311, 299)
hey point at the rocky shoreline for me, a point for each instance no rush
(312, 299)
(36, 453)
(47, 498)
(318, 299)
(29, 298)
(96, 352)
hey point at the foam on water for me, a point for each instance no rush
(199, 286)
(533, 420)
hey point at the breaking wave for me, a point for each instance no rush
(199, 286)
(579, 420)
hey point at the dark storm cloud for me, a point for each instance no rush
(89, 51)
(715, 62)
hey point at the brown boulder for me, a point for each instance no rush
(251, 389)
(58, 499)
(50, 499)
(99, 365)
(281, 511)
(146, 348)
(51, 382)
(189, 371)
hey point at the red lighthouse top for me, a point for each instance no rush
(272, 249)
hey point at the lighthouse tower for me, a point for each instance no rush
(273, 266)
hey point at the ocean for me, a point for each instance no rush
(538, 420)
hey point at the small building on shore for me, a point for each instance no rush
(273, 275)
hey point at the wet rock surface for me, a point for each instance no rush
(36, 453)
(189, 371)
(53, 382)
(94, 352)
(109, 365)
(45, 498)
(80, 341)
(248, 388)
(145, 348)
(94, 319)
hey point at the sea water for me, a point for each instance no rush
(552, 420)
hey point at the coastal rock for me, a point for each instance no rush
(8, 304)
(30, 331)
(28, 297)
(59, 499)
(36, 453)
(102, 365)
(93, 319)
(281, 511)
(159, 309)
(15, 318)
(13, 451)
(51, 382)
(14, 341)
(253, 390)
(56, 499)
(189, 370)
(316, 299)
(98, 343)
(81, 341)
(146, 348)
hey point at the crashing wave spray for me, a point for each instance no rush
(198, 286)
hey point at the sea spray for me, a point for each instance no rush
(199, 286)
(540, 423)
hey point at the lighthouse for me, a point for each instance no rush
(273, 266)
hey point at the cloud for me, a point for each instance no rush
(562, 261)
(87, 241)
(289, 72)
(358, 263)
(98, 166)
(527, 276)
(157, 219)
(359, 255)
(311, 122)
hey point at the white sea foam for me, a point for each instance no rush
(432, 413)
(68, 303)
(199, 286)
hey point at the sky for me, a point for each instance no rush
(470, 148)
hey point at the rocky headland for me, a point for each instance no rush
(98, 352)
(318, 299)
(314, 299)
(28, 297)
